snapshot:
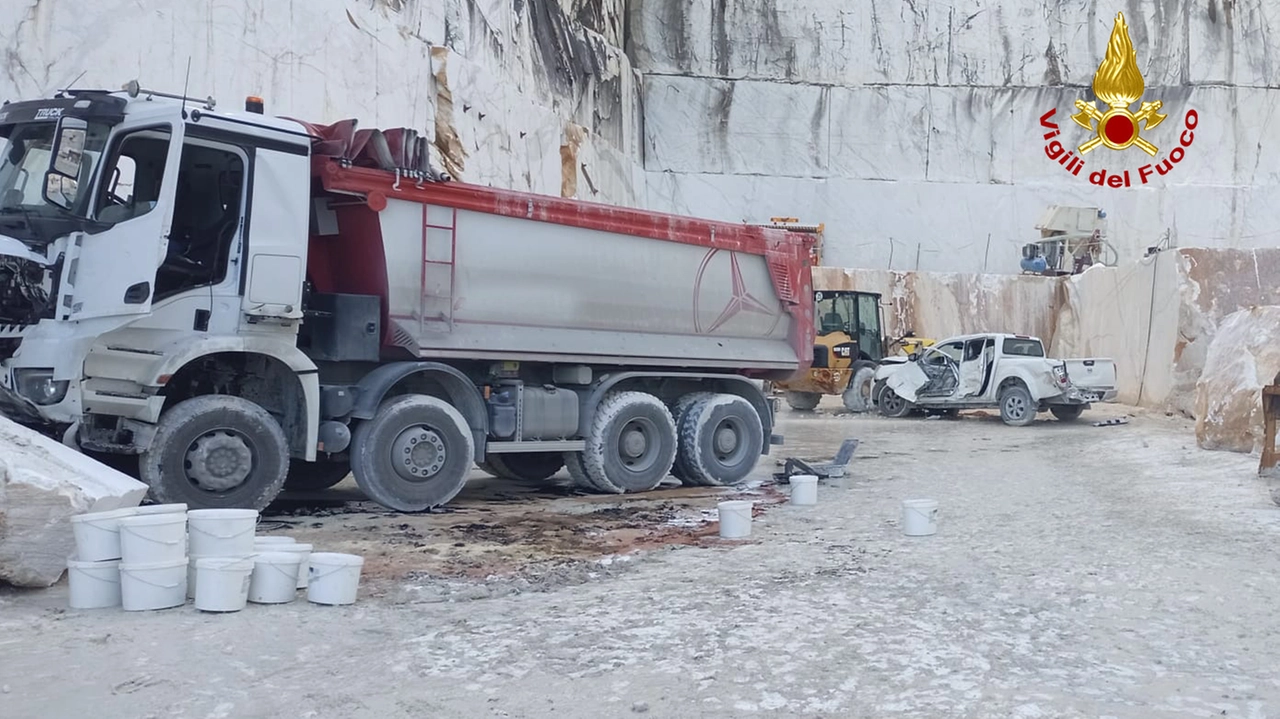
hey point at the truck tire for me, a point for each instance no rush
(678, 411)
(803, 401)
(525, 466)
(317, 475)
(632, 443)
(578, 473)
(891, 405)
(1067, 412)
(857, 396)
(216, 452)
(1017, 409)
(414, 454)
(721, 439)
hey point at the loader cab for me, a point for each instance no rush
(847, 328)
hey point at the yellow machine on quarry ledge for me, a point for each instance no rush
(849, 341)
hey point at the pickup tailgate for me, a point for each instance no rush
(1095, 373)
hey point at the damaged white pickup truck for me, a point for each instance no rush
(992, 370)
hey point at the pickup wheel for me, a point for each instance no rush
(414, 454)
(1017, 409)
(317, 475)
(631, 445)
(803, 401)
(721, 439)
(857, 396)
(1067, 412)
(216, 451)
(678, 411)
(891, 405)
(524, 466)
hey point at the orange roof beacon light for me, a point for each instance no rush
(253, 104)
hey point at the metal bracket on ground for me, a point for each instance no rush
(1110, 422)
(830, 470)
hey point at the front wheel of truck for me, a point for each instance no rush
(216, 451)
(414, 454)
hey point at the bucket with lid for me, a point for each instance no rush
(275, 577)
(222, 532)
(97, 534)
(155, 585)
(223, 583)
(149, 538)
(93, 585)
(335, 578)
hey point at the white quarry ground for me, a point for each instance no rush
(1077, 572)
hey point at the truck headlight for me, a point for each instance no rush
(39, 386)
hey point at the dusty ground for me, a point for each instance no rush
(1078, 571)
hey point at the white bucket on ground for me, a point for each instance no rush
(98, 534)
(224, 583)
(299, 548)
(94, 585)
(804, 489)
(222, 532)
(162, 508)
(263, 540)
(151, 538)
(919, 517)
(335, 578)
(193, 576)
(735, 518)
(157, 585)
(275, 577)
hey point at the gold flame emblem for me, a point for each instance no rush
(1118, 83)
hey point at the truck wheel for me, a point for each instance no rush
(1017, 409)
(632, 443)
(414, 454)
(891, 405)
(721, 439)
(526, 466)
(216, 451)
(803, 401)
(1067, 412)
(317, 475)
(857, 396)
(678, 411)
(578, 473)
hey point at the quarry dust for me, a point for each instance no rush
(1077, 571)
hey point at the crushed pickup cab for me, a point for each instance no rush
(983, 371)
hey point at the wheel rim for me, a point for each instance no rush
(638, 444)
(891, 401)
(219, 460)
(1015, 407)
(418, 453)
(728, 441)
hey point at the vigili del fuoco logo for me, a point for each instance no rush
(1118, 83)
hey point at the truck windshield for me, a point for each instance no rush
(1023, 347)
(24, 158)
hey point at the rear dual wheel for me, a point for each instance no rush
(721, 439)
(630, 447)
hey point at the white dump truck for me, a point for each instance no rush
(1004, 371)
(244, 302)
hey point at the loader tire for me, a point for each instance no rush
(216, 452)
(414, 454)
(632, 443)
(803, 401)
(721, 440)
(317, 475)
(857, 396)
(678, 411)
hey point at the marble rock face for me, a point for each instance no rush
(1243, 357)
(42, 485)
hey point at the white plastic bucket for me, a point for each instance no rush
(98, 534)
(224, 583)
(299, 548)
(919, 517)
(193, 576)
(162, 508)
(157, 585)
(151, 538)
(275, 577)
(94, 585)
(804, 489)
(735, 518)
(222, 532)
(263, 540)
(335, 578)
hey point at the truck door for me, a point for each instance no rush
(972, 367)
(113, 272)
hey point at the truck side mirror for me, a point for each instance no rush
(61, 182)
(914, 356)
